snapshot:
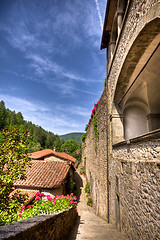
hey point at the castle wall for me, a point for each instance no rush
(95, 157)
(134, 164)
(135, 180)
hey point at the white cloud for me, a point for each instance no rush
(99, 14)
(57, 121)
(42, 65)
(40, 31)
(74, 110)
(22, 105)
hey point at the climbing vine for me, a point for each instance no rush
(95, 124)
(95, 127)
(93, 119)
(83, 137)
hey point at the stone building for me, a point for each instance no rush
(50, 173)
(124, 168)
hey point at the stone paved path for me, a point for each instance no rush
(88, 226)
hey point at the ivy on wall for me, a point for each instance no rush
(83, 137)
(93, 119)
(95, 124)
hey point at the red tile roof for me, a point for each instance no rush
(48, 152)
(64, 156)
(31, 194)
(41, 154)
(44, 174)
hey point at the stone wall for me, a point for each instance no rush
(95, 158)
(50, 227)
(139, 14)
(135, 180)
(134, 165)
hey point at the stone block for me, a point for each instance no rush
(149, 204)
(129, 170)
(157, 149)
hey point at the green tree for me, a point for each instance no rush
(2, 114)
(72, 148)
(58, 143)
(13, 160)
(39, 139)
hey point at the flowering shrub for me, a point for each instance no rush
(43, 205)
(89, 203)
(92, 115)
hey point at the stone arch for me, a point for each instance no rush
(141, 48)
(140, 45)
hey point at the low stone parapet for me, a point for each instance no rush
(55, 227)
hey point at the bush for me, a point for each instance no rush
(72, 187)
(41, 205)
(83, 172)
(13, 162)
(87, 188)
(89, 203)
(83, 137)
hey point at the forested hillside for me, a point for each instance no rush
(40, 138)
(72, 136)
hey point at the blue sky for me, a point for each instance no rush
(51, 67)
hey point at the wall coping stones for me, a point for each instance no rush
(142, 138)
(55, 226)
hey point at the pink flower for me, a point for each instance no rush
(71, 194)
(30, 206)
(19, 215)
(42, 194)
(54, 202)
(23, 207)
(37, 198)
(49, 198)
(38, 194)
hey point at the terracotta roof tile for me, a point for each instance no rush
(47, 152)
(44, 174)
(41, 154)
(65, 156)
(31, 194)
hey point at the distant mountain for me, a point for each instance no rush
(72, 136)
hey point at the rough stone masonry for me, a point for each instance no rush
(123, 163)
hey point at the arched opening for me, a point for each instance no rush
(135, 121)
(136, 96)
